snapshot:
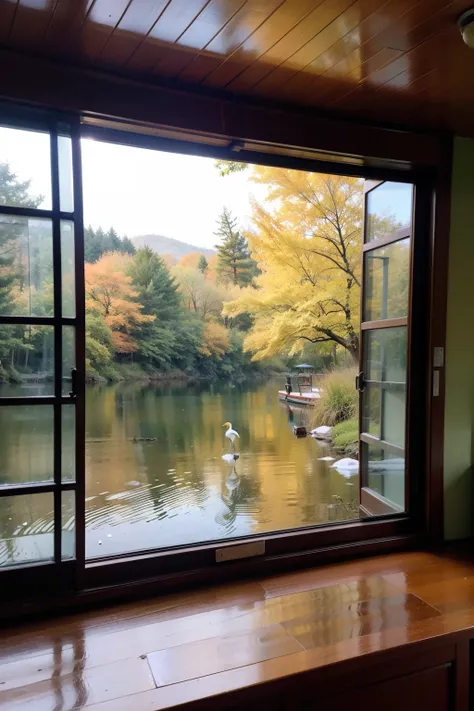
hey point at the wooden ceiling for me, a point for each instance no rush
(396, 61)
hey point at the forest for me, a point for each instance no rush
(285, 288)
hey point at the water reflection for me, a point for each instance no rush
(156, 475)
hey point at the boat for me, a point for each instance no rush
(299, 388)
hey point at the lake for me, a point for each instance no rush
(155, 476)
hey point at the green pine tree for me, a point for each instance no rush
(234, 263)
(158, 293)
(203, 264)
(97, 242)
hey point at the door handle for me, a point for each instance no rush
(360, 382)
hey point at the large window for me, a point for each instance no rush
(195, 351)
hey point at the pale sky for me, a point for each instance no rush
(139, 191)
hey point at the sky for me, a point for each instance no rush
(139, 191)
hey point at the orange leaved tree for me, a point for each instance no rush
(109, 292)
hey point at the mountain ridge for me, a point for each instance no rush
(170, 246)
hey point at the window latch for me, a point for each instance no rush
(360, 382)
(73, 391)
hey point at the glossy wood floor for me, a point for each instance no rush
(171, 650)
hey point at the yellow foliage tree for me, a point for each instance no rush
(109, 293)
(215, 340)
(306, 237)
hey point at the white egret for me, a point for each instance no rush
(231, 434)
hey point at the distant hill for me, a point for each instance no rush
(167, 245)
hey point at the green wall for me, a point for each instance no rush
(459, 413)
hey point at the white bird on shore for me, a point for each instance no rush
(231, 434)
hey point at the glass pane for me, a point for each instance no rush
(25, 168)
(387, 280)
(26, 266)
(69, 357)
(388, 209)
(26, 444)
(67, 269)
(386, 354)
(26, 360)
(66, 196)
(385, 474)
(68, 517)
(26, 529)
(384, 398)
(68, 442)
(371, 409)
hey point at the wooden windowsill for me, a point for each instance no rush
(239, 642)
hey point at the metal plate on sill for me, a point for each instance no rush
(244, 550)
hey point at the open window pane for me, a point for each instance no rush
(26, 529)
(68, 518)
(68, 443)
(68, 269)
(384, 398)
(386, 474)
(386, 354)
(26, 264)
(69, 357)
(26, 444)
(26, 360)
(389, 208)
(163, 465)
(66, 194)
(387, 281)
(25, 160)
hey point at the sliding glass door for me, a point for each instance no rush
(41, 350)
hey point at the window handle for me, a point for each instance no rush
(73, 391)
(360, 382)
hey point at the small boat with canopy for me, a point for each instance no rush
(299, 386)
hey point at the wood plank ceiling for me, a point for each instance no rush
(397, 61)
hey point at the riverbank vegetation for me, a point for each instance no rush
(338, 408)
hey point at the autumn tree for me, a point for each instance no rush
(235, 264)
(200, 296)
(307, 239)
(110, 293)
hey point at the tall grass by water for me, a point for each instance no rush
(339, 398)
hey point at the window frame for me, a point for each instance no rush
(307, 545)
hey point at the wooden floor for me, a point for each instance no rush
(171, 650)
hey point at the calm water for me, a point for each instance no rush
(176, 488)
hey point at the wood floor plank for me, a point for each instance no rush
(39, 637)
(359, 619)
(263, 672)
(81, 688)
(344, 572)
(191, 661)
(97, 650)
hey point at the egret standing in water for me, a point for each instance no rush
(231, 435)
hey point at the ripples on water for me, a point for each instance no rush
(177, 489)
